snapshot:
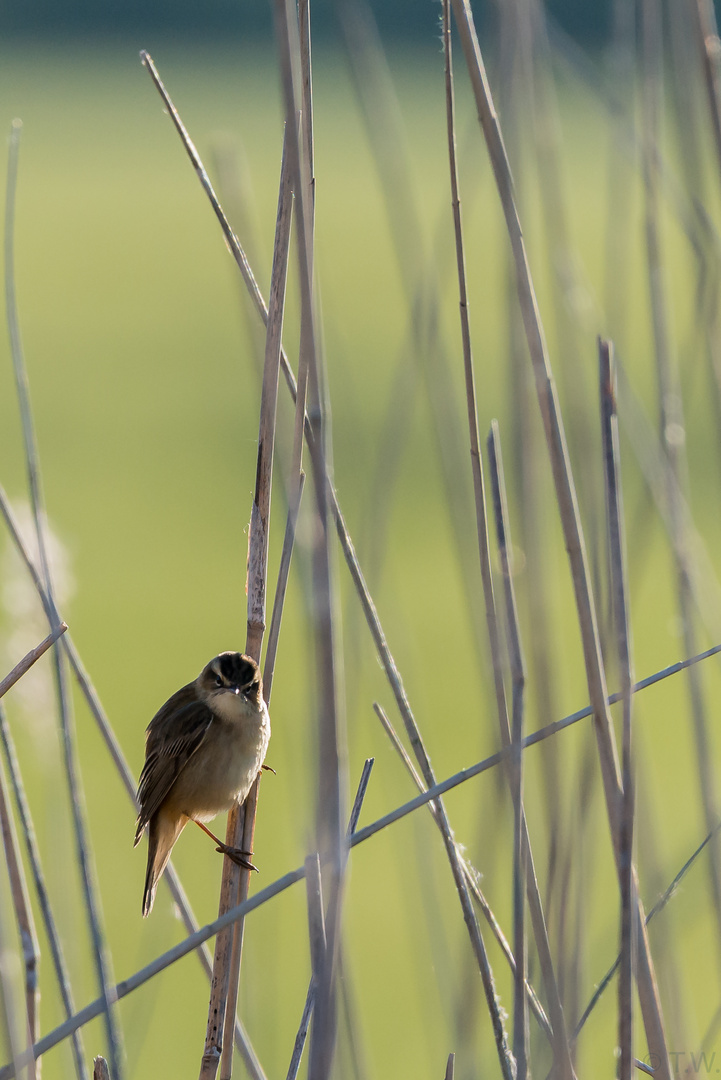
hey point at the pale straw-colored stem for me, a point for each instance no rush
(33, 854)
(568, 507)
(619, 591)
(23, 917)
(561, 1052)
(84, 853)
(31, 658)
(235, 883)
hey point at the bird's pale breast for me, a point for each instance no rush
(225, 764)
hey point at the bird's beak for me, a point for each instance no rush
(236, 690)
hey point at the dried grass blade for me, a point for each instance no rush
(619, 589)
(660, 904)
(568, 506)
(331, 772)
(118, 758)
(561, 1052)
(703, 19)
(31, 846)
(304, 1025)
(23, 916)
(196, 940)
(241, 822)
(271, 650)
(302, 1035)
(471, 876)
(518, 675)
(30, 658)
(671, 425)
(101, 953)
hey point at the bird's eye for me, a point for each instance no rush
(218, 680)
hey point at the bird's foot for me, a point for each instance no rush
(268, 768)
(240, 858)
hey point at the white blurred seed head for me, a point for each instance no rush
(23, 623)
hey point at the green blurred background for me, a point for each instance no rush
(143, 365)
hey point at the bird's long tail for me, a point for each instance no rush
(163, 831)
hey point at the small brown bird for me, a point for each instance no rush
(203, 750)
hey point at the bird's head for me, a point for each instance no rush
(231, 673)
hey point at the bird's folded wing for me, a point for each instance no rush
(174, 735)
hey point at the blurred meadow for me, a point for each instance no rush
(144, 360)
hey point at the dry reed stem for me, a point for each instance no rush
(459, 876)
(518, 677)
(31, 846)
(451, 1067)
(101, 953)
(11, 1024)
(93, 701)
(660, 904)
(414, 736)
(100, 1069)
(348, 549)
(664, 489)
(568, 507)
(619, 589)
(561, 1053)
(386, 657)
(271, 649)
(471, 877)
(258, 553)
(360, 795)
(330, 797)
(302, 1034)
(196, 940)
(30, 658)
(317, 931)
(425, 349)
(703, 19)
(672, 434)
(23, 916)
(241, 821)
(316, 916)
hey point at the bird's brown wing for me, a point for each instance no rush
(174, 735)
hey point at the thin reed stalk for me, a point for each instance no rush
(241, 821)
(518, 676)
(33, 853)
(302, 1035)
(271, 649)
(101, 953)
(316, 919)
(617, 552)
(330, 779)
(535, 737)
(703, 20)
(31, 658)
(24, 918)
(12, 1021)
(195, 941)
(671, 429)
(425, 350)
(471, 877)
(413, 732)
(98, 713)
(100, 1069)
(568, 507)
(667, 895)
(561, 1054)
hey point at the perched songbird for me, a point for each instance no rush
(203, 750)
